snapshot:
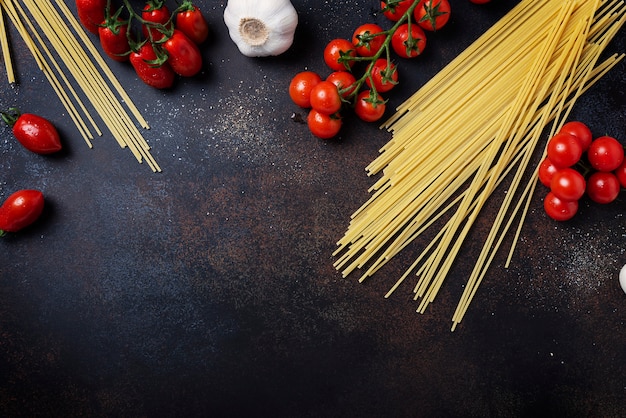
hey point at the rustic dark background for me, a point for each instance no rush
(209, 290)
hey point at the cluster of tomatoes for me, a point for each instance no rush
(576, 165)
(165, 45)
(369, 49)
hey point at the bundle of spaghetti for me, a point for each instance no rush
(478, 122)
(90, 72)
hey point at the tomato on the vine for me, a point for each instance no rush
(155, 74)
(157, 18)
(325, 98)
(20, 210)
(408, 44)
(191, 21)
(568, 184)
(605, 153)
(369, 108)
(580, 131)
(546, 172)
(432, 15)
(603, 187)
(395, 9)
(113, 39)
(384, 75)
(322, 125)
(338, 54)
(620, 172)
(559, 209)
(184, 55)
(345, 82)
(300, 87)
(91, 13)
(368, 39)
(564, 150)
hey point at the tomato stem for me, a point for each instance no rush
(11, 116)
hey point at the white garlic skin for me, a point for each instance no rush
(622, 278)
(279, 18)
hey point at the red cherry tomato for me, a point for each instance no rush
(395, 11)
(603, 187)
(568, 184)
(300, 88)
(369, 108)
(368, 39)
(546, 172)
(322, 125)
(564, 150)
(384, 75)
(157, 20)
(432, 15)
(160, 76)
(325, 98)
(580, 131)
(184, 54)
(338, 54)
(605, 153)
(20, 209)
(35, 133)
(345, 82)
(191, 21)
(91, 13)
(408, 45)
(558, 209)
(113, 39)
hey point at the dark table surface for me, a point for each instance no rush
(209, 289)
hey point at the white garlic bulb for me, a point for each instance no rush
(261, 28)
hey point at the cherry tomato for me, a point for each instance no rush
(546, 172)
(603, 187)
(580, 131)
(91, 13)
(338, 54)
(157, 20)
(20, 210)
(301, 86)
(394, 9)
(558, 209)
(34, 132)
(564, 150)
(568, 184)
(369, 108)
(605, 153)
(184, 54)
(384, 75)
(191, 21)
(325, 98)
(432, 15)
(322, 125)
(345, 82)
(114, 40)
(620, 172)
(408, 45)
(152, 71)
(368, 39)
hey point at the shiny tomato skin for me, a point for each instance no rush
(337, 54)
(605, 153)
(325, 98)
(158, 76)
(91, 13)
(564, 150)
(114, 41)
(37, 134)
(603, 187)
(322, 125)
(384, 75)
(546, 172)
(184, 55)
(367, 109)
(158, 16)
(408, 45)
(620, 172)
(20, 210)
(193, 24)
(345, 82)
(432, 15)
(366, 40)
(558, 209)
(568, 184)
(580, 131)
(395, 12)
(300, 87)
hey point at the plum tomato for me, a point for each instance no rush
(368, 39)
(325, 98)
(338, 54)
(157, 20)
(603, 187)
(432, 15)
(395, 9)
(368, 107)
(605, 153)
(384, 75)
(564, 150)
(159, 76)
(300, 87)
(558, 209)
(114, 40)
(20, 209)
(322, 125)
(345, 82)
(580, 131)
(34, 132)
(546, 172)
(620, 172)
(91, 13)
(191, 21)
(184, 54)
(408, 44)
(568, 184)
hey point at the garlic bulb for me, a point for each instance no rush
(261, 28)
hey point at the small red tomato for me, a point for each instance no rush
(20, 209)
(564, 150)
(35, 133)
(408, 45)
(580, 131)
(605, 153)
(157, 20)
(368, 39)
(191, 21)
(300, 88)
(620, 172)
(568, 184)
(432, 15)
(322, 125)
(603, 187)
(384, 75)
(114, 40)
(546, 172)
(395, 10)
(91, 13)
(151, 70)
(325, 98)
(184, 55)
(345, 82)
(338, 54)
(369, 108)
(558, 209)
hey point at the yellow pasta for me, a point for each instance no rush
(473, 126)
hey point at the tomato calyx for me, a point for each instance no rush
(11, 116)
(431, 13)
